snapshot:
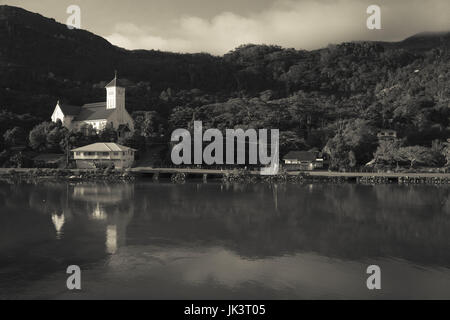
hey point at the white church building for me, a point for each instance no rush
(100, 114)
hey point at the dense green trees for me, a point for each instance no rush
(150, 125)
(48, 136)
(55, 138)
(393, 153)
(108, 134)
(334, 99)
(353, 144)
(388, 153)
(15, 137)
(446, 154)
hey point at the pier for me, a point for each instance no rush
(358, 177)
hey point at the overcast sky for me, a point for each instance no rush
(218, 26)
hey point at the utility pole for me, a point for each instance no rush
(67, 150)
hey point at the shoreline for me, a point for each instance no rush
(181, 175)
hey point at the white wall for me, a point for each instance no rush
(115, 100)
(58, 114)
(120, 160)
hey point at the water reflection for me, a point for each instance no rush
(99, 213)
(211, 240)
(112, 206)
(58, 222)
(111, 239)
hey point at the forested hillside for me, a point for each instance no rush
(334, 99)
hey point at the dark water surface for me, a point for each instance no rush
(211, 241)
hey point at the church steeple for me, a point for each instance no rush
(115, 94)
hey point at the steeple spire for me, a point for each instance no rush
(114, 82)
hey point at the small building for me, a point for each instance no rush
(302, 161)
(386, 135)
(104, 154)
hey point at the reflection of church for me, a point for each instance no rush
(100, 208)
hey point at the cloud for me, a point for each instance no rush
(303, 24)
(130, 36)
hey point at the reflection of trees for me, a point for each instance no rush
(102, 192)
(108, 207)
(78, 216)
(50, 225)
(345, 221)
(26, 214)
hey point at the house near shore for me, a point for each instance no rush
(104, 154)
(100, 114)
(302, 161)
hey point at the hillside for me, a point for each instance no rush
(40, 57)
(42, 60)
(338, 95)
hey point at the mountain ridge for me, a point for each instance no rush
(334, 99)
(41, 61)
(5, 9)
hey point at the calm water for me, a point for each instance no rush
(160, 240)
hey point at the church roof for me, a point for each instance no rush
(103, 147)
(94, 111)
(69, 110)
(116, 83)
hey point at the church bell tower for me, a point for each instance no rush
(115, 95)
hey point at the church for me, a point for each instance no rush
(100, 114)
